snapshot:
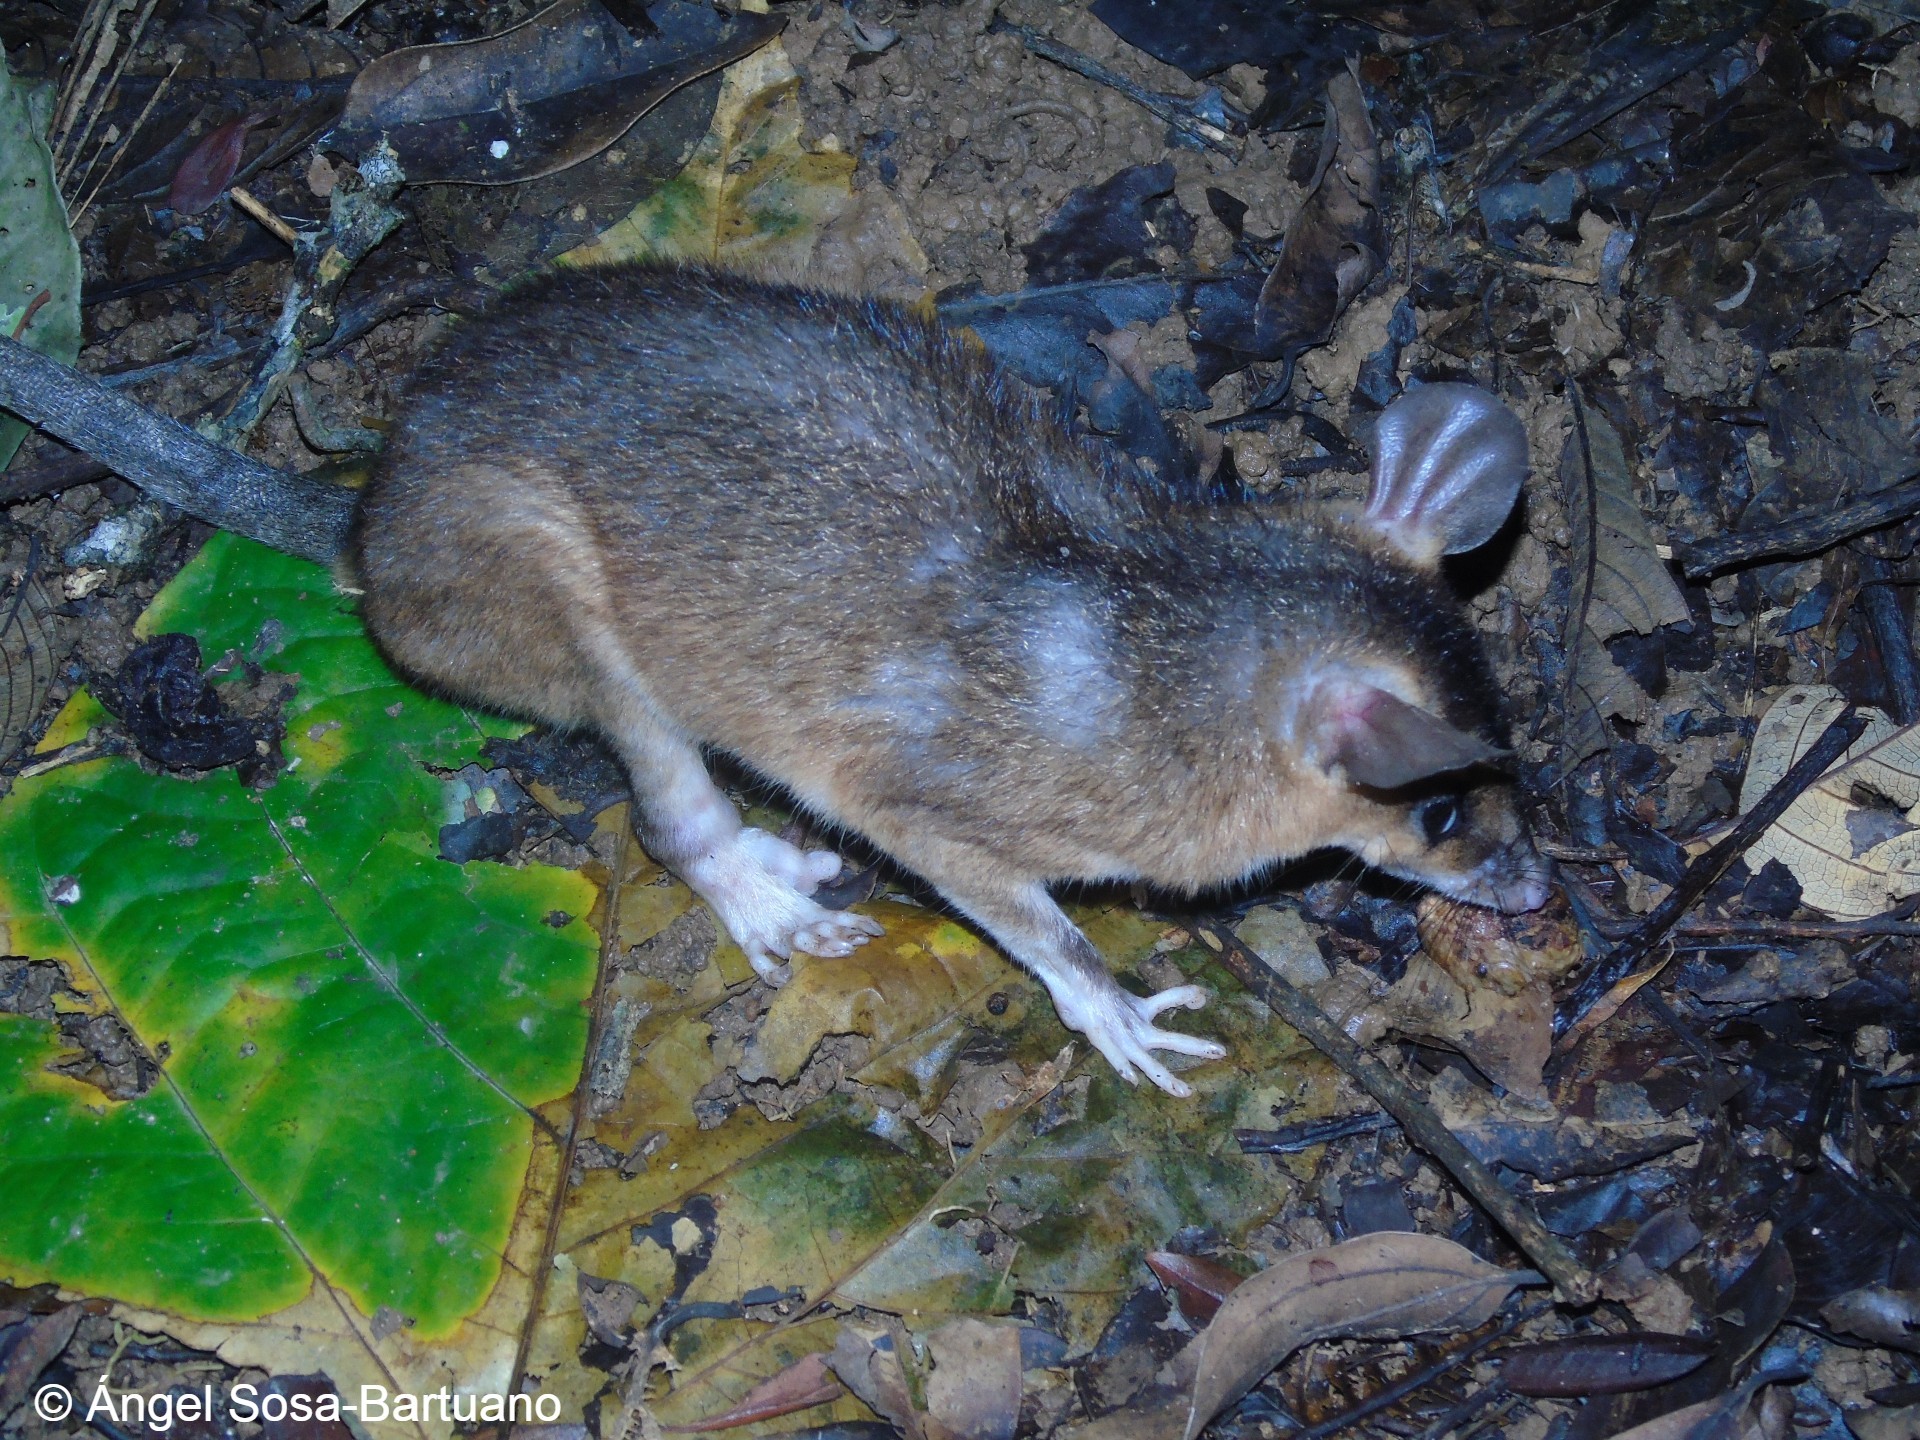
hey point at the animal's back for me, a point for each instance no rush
(701, 460)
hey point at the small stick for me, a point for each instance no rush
(1616, 967)
(251, 203)
(33, 481)
(1807, 535)
(1419, 1122)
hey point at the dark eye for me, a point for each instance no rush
(1438, 818)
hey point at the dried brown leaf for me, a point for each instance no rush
(1333, 246)
(802, 1385)
(974, 1391)
(1376, 1286)
(42, 1344)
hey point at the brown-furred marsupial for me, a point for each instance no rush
(689, 510)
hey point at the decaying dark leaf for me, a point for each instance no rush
(1601, 1364)
(1379, 1285)
(1041, 335)
(1653, 45)
(548, 93)
(207, 169)
(1556, 1150)
(1111, 230)
(1764, 222)
(1829, 442)
(1299, 46)
(1201, 1284)
(301, 1423)
(176, 717)
(45, 1338)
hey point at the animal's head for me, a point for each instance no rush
(1402, 717)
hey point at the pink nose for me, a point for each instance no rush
(1521, 878)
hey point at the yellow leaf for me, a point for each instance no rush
(752, 198)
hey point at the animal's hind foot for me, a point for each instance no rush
(760, 887)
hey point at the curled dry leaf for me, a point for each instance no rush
(1878, 1313)
(1601, 1364)
(1376, 1286)
(869, 1364)
(1333, 247)
(40, 1347)
(1852, 839)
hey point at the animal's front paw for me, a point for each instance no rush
(1120, 1026)
(759, 886)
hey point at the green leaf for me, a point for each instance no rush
(37, 252)
(353, 1036)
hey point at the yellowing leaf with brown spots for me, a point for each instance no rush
(754, 197)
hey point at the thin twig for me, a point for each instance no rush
(1182, 115)
(1805, 535)
(1419, 1122)
(1874, 927)
(126, 140)
(1616, 968)
(252, 204)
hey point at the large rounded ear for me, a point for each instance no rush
(1381, 741)
(1448, 462)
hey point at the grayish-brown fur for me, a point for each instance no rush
(826, 537)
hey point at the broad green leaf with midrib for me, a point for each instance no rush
(353, 1033)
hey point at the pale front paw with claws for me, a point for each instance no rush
(760, 887)
(1120, 1026)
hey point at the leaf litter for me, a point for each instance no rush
(1679, 242)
